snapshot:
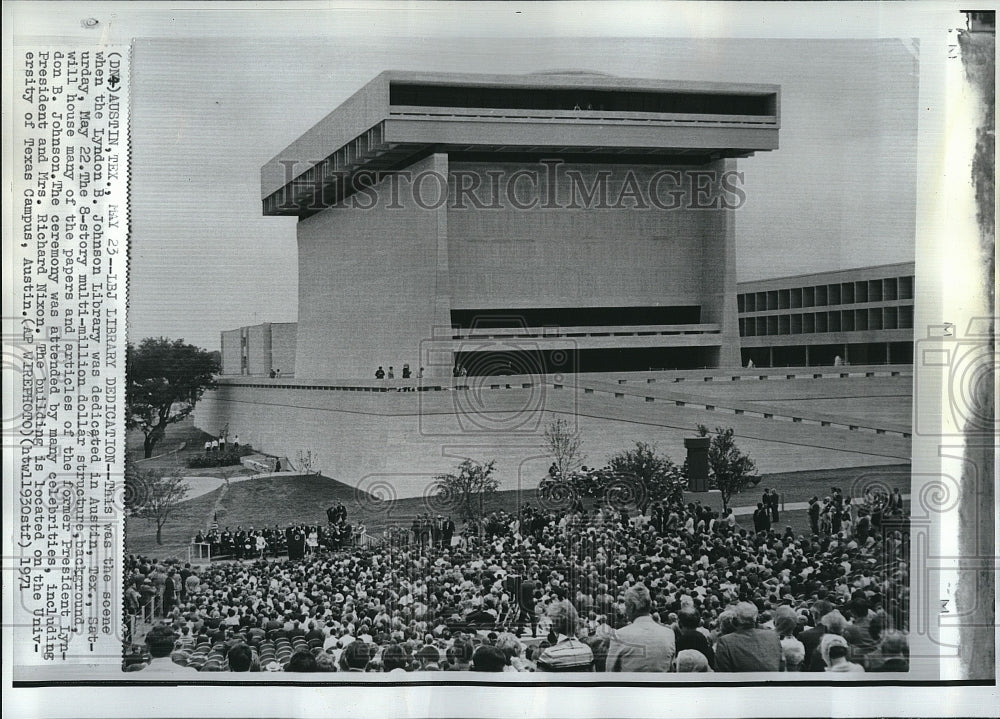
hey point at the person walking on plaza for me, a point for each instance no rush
(643, 645)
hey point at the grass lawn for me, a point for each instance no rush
(171, 454)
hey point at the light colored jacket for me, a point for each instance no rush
(642, 646)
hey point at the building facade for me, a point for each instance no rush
(256, 350)
(520, 224)
(856, 316)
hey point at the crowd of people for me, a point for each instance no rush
(294, 541)
(406, 372)
(677, 588)
(596, 483)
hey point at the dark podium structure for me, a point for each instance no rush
(697, 461)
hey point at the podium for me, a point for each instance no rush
(697, 462)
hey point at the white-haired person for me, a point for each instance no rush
(786, 621)
(691, 661)
(643, 645)
(568, 653)
(836, 654)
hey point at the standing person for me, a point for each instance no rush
(215, 445)
(814, 511)
(289, 545)
(380, 373)
(811, 637)
(748, 649)
(526, 604)
(775, 503)
(169, 593)
(896, 501)
(261, 546)
(761, 518)
(436, 529)
(643, 645)
(447, 532)
(208, 446)
(406, 371)
(392, 374)
(222, 441)
(863, 527)
(236, 442)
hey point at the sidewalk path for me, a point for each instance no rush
(202, 485)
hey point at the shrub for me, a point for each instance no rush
(221, 458)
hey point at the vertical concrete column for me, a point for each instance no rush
(718, 272)
(442, 276)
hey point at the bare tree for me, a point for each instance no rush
(308, 461)
(159, 497)
(564, 444)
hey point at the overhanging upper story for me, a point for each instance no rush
(399, 117)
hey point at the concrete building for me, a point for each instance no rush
(862, 315)
(572, 232)
(255, 350)
(520, 224)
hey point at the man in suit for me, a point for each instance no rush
(643, 645)
(447, 532)
(749, 648)
(775, 503)
(761, 518)
(814, 512)
(526, 588)
(811, 637)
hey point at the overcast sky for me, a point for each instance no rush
(839, 193)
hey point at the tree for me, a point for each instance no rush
(165, 380)
(564, 445)
(154, 496)
(467, 490)
(654, 476)
(732, 470)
